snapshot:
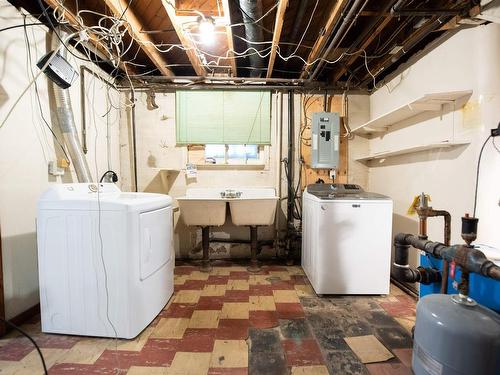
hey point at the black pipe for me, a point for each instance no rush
(134, 140)
(290, 176)
(346, 25)
(468, 258)
(205, 244)
(254, 264)
(402, 271)
(297, 23)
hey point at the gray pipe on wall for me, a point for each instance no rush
(66, 120)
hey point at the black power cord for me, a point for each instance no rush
(13, 326)
(494, 133)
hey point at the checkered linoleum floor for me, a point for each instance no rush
(231, 321)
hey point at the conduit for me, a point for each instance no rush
(66, 121)
(252, 10)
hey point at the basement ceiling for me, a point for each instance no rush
(346, 44)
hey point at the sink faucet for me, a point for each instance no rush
(230, 193)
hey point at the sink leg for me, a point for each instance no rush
(254, 264)
(205, 243)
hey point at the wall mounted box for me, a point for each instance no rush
(325, 140)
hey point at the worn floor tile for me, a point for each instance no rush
(286, 296)
(267, 363)
(233, 329)
(264, 340)
(290, 310)
(204, 319)
(295, 329)
(264, 319)
(407, 322)
(235, 310)
(262, 303)
(170, 328)
(304, 290)
(304, 352)
(229, 353)
(368, 349)
(309, 370)
(144, 370)
(187, 363)
(394, 337)
(88, 351)
(404, 355)
(198, 275)
(258, 280)
(388, 369)
(187, 296)
(237, 284)
(344, 362)
(138, 343)
(213, 290)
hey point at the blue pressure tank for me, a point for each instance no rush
(484, 290)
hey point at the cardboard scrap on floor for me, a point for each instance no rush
(368, 349)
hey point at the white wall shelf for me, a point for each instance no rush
(427, 103)
(409, 150)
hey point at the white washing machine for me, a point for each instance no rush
(346, 239)
(99, 249)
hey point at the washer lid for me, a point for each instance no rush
(84, 196)
(342, 192)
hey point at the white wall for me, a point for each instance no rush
(157, 149)
(469, 60)
(26, 147)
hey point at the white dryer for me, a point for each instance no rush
(346, 239)
(103, 248)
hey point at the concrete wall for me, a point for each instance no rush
(26, 147)
(467, 61)
(161, 164)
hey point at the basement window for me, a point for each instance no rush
(234, 154)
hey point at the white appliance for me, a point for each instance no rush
(99, 249)
(346, 239)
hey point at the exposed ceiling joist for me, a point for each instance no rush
(72, 19)
(363, 46)
(188, 44)
(324, 36)
(278, 26)
(229, 34)
(144, 40)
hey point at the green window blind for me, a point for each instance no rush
(223, 117)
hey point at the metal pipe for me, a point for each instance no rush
(199, 79)
(254, 264)
(173, 87)
(297, 23)
(205, 244)
(424, 211)
(340, 34)
(66, 120)
(290, 192)
(427, 12)
(134, 140)
(252, 10)
(468, 258)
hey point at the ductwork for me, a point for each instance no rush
(251, 11)
(66, 120)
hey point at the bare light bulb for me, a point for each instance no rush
(206, 26)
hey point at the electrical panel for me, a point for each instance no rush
(325, 140)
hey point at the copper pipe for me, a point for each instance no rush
(423, 213)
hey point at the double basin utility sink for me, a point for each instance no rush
(249, 206)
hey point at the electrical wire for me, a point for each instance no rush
(21, 331)
(28, 49)
(21, 25)
(477, 173)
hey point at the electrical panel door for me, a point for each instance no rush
(325, 140)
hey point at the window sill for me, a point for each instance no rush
(250, 167)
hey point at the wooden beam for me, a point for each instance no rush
(169, 6)
(363, 46)
(229, 34)
(278, 26)
(324, 36)
(75, 23)
(144, 40)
